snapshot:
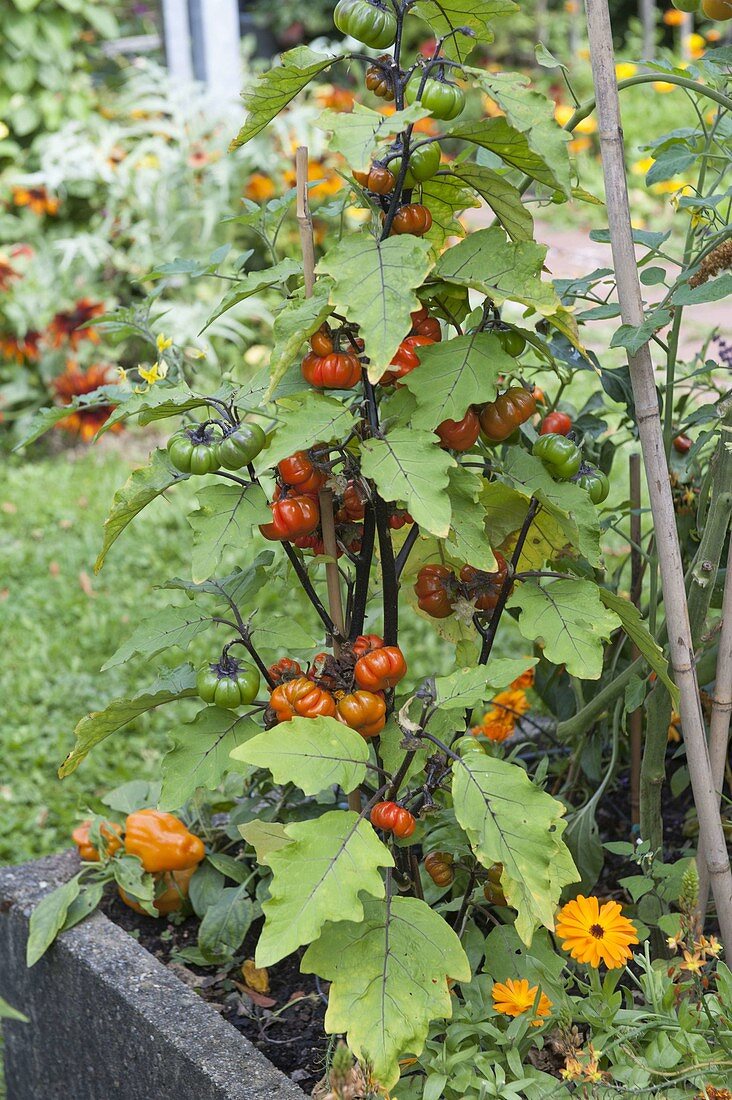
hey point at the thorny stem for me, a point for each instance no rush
(490, 635)
(363, 575)
(310, 591)
(401, 558)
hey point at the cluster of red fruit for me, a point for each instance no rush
(350, 687)
(438, 588)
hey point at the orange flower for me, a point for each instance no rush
(513, 700)
(84, 422)
(7, 273)
(328, 181)
(37, 198)
(673, 17)
(595, 933)
(65, 325)
(524, 681)
(21, 349)
(513, 998)
(330, 95)
(259, 188)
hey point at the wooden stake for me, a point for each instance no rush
(304, 218)
(332, 576)
(649, 426)
(636, 587)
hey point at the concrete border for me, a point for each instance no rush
(108, 1021)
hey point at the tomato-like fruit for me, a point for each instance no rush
(372, 24)
(513, 342)
(494, 894)
(485, 588)
(556, 423)
(500, 418)
(292, 518)
(194, 451)
(367, 643)
(399, 519)
(424, 163)
(424, 325)
(381, 669)
(298, 471)
(353, 507)
(240, 447)
(561, 457)
(406, 358)
(439, 866)
(436, 590)
(393, 818)
(284, 669)
(110, 833)
(338, 371)
(682, 444)
(412, 218)
(301, 698)
(228, 683)
(596, 483)
(363, 711)
(459, 435)
(720, 10)
(378, 179)
(442, 99)
(378, 81)
(171, 892)
(321, 342)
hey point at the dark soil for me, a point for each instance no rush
(288, 1029)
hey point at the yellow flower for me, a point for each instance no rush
(513, 998)
(625, 69)
(710, 946)
(673, 17)
(695, 44)
(149, 160)
(580, 145)
(163, 342)
(562, 113)
(584, 1067)
(121, 374)
(154, 373)
(693, 963)
(595, 933)
(641, 167)
(662, 86)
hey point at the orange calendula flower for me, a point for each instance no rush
(595, 933)
(524, 681)
(673, 17)
(259, 188)
(514, 997)
(330, 95)
(65, 325)
(36, 199)
(513, 700)
(84, 422)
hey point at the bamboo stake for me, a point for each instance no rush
(719, 726)
(654, 457)
(304, 218)
(636, 587)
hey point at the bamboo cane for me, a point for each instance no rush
(654, 457)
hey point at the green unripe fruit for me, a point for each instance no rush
(228, 683)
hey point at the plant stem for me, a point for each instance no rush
(389, 580)
(363, 575)
(401, 558)
(635, 721)
(654, 456)
(310, 591)
(489, 636)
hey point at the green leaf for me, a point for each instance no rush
(143, 486)
(469, 686)
(84, 904)
(374, 284)
(160, 402)
(281, 633)
(454, 374)
(206, 888)
(467, 540)
(232, 868)
(239, 587)
(275, 88)
(408, 465)
(446, 197)
(503, 198)
(507, 957)
(392, 753)
(445, 16)
(514, 147)
(635, 627)
(330, 862)
(265, 837)
(47, 919)
(179, 683)
(7, 1012)
(225, 517)
(225, 924)
(582, 837)
(176, 626)
(200, 756)
(389, 977)
(505, 270)
(711, 291)
(566, 502)
(569, 619)
(47, 417)
(357, 133)
(305, 419)
(251, 284)
(312, 753)
(511, 821)
(298, 319)
(129, 873)
(633, 337)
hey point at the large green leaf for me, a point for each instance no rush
(239, 587)
(512, 146)
(505, 511)
(280, 632)
(225, 517)
(175, 626)
(374, 283)
(569, 619)
(250, 284)
(454, 374)
(201, 753)
(503, 198)
(466, 687)
(161, 401)
(408, 465)
(265, 837)
(389, 975)
(142, 487)
(298, 319)
(178, 683)
(275, 88)
(303, 420)
(48, 917)
(445, 16)
(47, 417)
(330, 862)
(467, 540)
(355, 134)
(225, 924)
(635, 627)
(446, 197)
(312, 753)
(511, 821)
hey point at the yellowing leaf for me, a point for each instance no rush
(409, 465)
(256, 977)
(274, 89)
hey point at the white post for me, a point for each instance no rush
(177, 37)
(217, 45)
